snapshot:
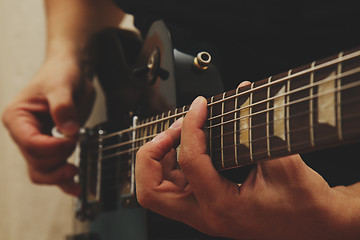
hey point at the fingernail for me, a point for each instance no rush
(244, 83)
(177, 123)
(197, 101)
(158, 137)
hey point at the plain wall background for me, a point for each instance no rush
(27, 211)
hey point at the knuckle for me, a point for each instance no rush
(141, 154)
(5, 117)
(185, 163)
(32, 152)
(144, 198)
(62, 106)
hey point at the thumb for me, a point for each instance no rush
(63, 111)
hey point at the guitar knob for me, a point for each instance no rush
(202, 61)
(152, 70)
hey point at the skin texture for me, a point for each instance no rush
(280, 199)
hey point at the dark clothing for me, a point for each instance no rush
(252, 40)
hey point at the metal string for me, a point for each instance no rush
(130, 150)
(228, 160)
(350, 85)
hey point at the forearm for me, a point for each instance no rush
(72, 23)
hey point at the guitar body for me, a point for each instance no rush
(137, 79)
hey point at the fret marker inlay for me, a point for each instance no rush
(279, 114)
(244, 123)
(326, 101)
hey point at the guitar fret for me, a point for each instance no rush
(210, 126)
(287, 114)
(222, 131)
(235, 126)
(157, 125)
(176, 112)
(311, 106)
(162, 123)
(146, 130)
(338, 97)
(167, 123)
(250, 125)
(268, 120)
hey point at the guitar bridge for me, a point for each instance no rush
(107, 170)
(127, 181)
(89, 202)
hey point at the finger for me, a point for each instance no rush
(63, 111)
(37, 147)
(60, 175)
(171, 172)
(193, 158)
(153, 191)
(148, 167)
(244, 83)
(71, 188)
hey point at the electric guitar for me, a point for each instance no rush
(146, 87)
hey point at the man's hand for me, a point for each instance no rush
(281, 198)
(60, 95)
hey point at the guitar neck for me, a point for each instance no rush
(307, 108)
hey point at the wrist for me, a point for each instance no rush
(62, 47)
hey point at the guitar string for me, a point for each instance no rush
(284, 147)
(303, 72)
(240, 130)
(246, 156)
(338, 60)
(307, 87)
(297, 115)
(257, 103)
(328, 79)
(350, 85)
(354, 115)
(130, 150)
(300, 100)
(265, 152)
(149, 137)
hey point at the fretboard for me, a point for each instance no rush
(307, 108)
